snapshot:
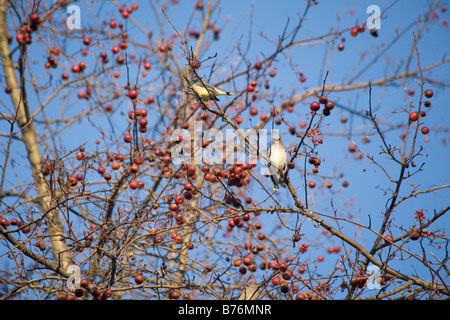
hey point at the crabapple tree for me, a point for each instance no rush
(119, 182)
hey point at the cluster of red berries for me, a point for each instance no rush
(140, 116)
(238, 174)
(127, 11)
(359, 281)
(249, 264)
(357, 29)
(76, 68)
(428, 94)
(85, 286)
(175, 206)
(313, 133)
(135, 184)
(416, 233)
(323, 100)
(420, 215)
(51, 62)
(85, 94)
(31, 24)
(414, 116)
(315, 161)
(237, 221)
(213, 174)
(133, 169)
(47, 168)
(251, 87)
(5, 223)
(73, 179)
(303, 247)
(335, 249)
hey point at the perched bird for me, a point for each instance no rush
(207, 91)
(277, 165)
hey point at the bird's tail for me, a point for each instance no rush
(275, 180)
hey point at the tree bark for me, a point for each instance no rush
(31, 141)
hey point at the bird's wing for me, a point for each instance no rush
(215, 90)
(283, 158)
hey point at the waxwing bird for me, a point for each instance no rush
(277, 165)
(207, 91)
